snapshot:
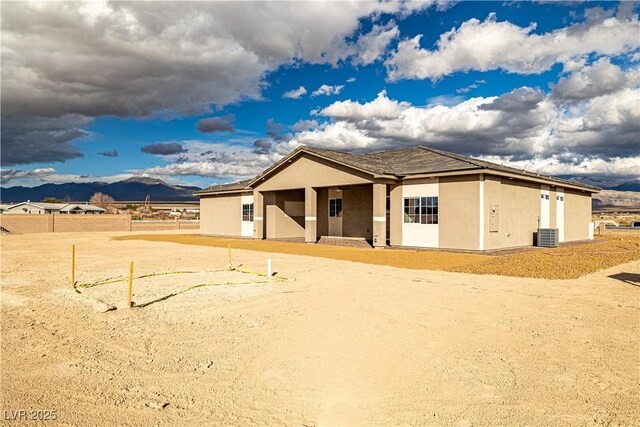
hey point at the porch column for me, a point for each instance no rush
(310, 214)
(258, 215)
(379, 215)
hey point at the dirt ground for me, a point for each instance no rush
(342, 343)
(569, 261)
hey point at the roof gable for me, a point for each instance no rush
(396, 164)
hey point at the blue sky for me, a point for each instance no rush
(544, 86)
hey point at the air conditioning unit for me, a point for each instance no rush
(547, 237)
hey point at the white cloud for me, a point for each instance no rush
(490, 45)
(41, 176)
(304, 125)
(616, 168)
(295, 93)
(141, 59)
(472, 86)
(371, 46)
(327, 90)
(524, 125)
(351, 79)
(597, 79)
(446, 100)
(8, 175)
(216, 160)
(380, 108)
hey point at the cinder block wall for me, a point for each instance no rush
(164, 225)
(59, 223)
(25, 223)
(67, 223)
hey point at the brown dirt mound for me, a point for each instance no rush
(565, 262)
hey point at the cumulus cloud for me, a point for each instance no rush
(163, 148)
(594, 80)
(612, 171)
(140, 59)
(262, 146)
(27, 139)
(490, 45)
(351, 79)
(304, 125)
(8, 175)
(274, 128)
(518, 100)
(217, 161)
(522, 125)
(381, 108)
(217, 124)
(295, 93)
(327, 90)
(112, 153)
(371, 46)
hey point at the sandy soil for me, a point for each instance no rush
(343, 344)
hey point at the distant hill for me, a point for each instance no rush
(135, 188)
(616, 199)
(627, 186)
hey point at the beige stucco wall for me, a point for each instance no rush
(323, 212)
(396, 214)
(553, 207)
(357, 212)
(519, 210)
(458, 215)
(279, 225)
(220, 215)
(307, 171)
(577, 214)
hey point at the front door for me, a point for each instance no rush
(335, 217)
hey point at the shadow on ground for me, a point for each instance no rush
(629, 278)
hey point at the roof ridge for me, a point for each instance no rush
(455, 156)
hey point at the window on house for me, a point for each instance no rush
(335, 208)
(421, 210)
(247, 212)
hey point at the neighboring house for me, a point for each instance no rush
(29, 207)
(82, 209)
(414, 197)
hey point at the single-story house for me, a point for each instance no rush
(30, 207)
(415, 197)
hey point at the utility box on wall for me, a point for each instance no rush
(494, 218)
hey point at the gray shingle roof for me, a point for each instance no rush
(398, 163)
(232, 186)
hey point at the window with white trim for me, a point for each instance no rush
(421, 210)
(247, 212)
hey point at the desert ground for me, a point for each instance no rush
(334, 342)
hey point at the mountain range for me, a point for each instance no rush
(137, 189)
(132, 189)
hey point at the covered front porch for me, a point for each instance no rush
(307, 197)
(332, 212)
